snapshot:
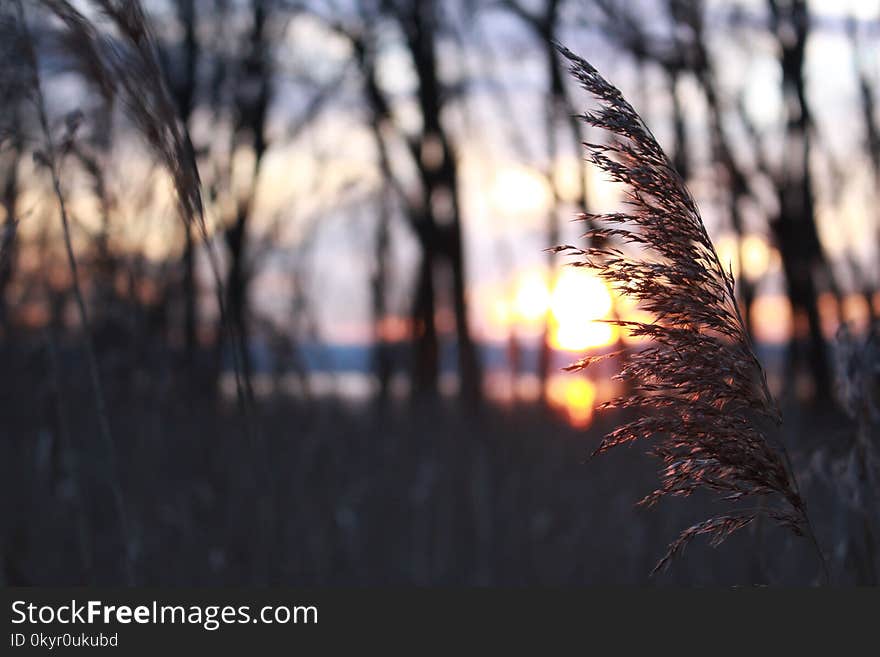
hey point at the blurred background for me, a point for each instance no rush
(381, 400)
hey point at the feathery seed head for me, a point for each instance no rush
(700, 389)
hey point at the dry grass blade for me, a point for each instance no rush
(50, 157)
(700, 389)
(128, 68)
(716, 528)
(138, 75)
(81, 40)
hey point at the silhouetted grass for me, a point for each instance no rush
(699, 389)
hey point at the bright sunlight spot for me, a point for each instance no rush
(757, 255)
(532, 298)
(574, 308)
(575, 396)
(579, 299)
(518, 190)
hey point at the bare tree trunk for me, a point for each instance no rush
(425, 354)
(379, 116)
(795, 227)
(236, 286)
(183, 89)
(469, 367)
(9, 230)
(427, 358)
(382, 364)
(556, 108)
(251, 105)
(440, 233)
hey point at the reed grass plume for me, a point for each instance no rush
(112, 49)
(698, 390)
(127, 67)
(50, 157)
(124, 65)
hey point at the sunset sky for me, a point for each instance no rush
(506, 195)
(317, 192)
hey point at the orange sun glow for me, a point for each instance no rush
(578, 304)
(575, 308)
(575, 396)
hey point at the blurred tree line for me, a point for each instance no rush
(242, 92)
(172, 201)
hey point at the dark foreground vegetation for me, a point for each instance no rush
(331, 494)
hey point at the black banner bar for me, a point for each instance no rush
(237, 621)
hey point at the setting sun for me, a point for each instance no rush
(532, 297)
(579, 302)
(575, 308)
(517, 190)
